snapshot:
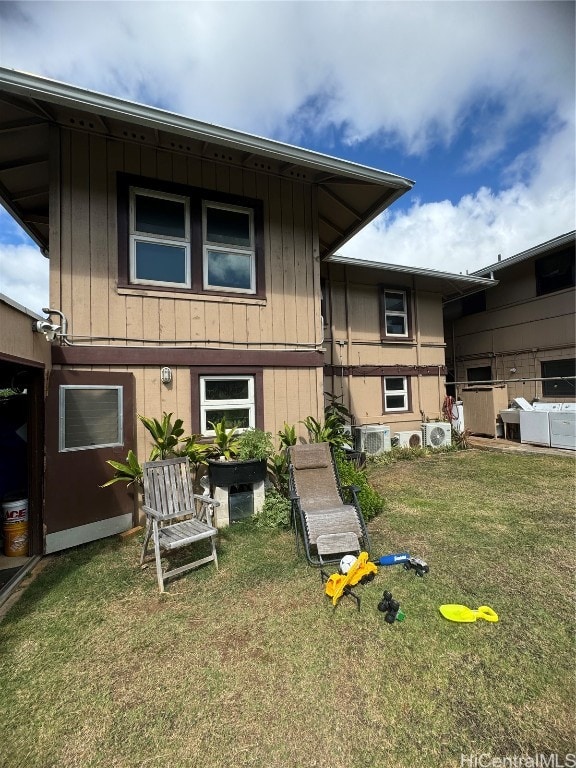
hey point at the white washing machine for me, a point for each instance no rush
(535, 427)
(563, 427)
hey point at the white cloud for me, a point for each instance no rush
(406, 70)
(411, 75)
(470, 234)
(24, 275)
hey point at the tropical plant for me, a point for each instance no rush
(337, 410)
(129, 472)
(225, 441)
(287, 435)
(332, 431)
(461, 440)
(166, 437)
(278, 471)
(278, 462)
(165, 434)
(196, 450)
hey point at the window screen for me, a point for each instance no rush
(481, 373)
(558, 387)
(90, 417)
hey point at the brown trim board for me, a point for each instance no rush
(92, 355)
(385, 370)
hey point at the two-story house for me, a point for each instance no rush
(187, 267)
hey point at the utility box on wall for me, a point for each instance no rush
(481, 406)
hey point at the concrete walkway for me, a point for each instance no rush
(513, 446)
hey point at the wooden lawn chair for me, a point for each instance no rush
(330, 527)
(176, 516)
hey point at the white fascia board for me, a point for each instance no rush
(41, 88)
(465, 280)
(537, 250)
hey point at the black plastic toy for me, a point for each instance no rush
(418, 565)
(391, 608)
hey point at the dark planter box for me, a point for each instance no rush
(227, 473)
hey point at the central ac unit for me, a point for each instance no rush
(372, 439)
(437, 434)
(409, 439)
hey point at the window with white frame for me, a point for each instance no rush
(182, 238)
(159, 239)
(395, 313)
(229, 253)
(90, 417)
(227, 397)
(395, 393)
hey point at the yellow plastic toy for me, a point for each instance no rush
(462, 613)
(339, 582)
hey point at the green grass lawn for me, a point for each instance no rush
(251, 666)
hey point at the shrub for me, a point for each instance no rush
(254, 444)
(371, 502)
(275, 512)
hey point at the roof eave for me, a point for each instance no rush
(469, 281)
(537, 250)
(36, 87)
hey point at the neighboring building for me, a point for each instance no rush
(385, 351)
(521, 332)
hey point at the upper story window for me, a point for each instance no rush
(555, 271)
(395, 314)
(229, 255)
(175, 237)
(159, 239)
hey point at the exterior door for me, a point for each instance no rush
(89, 419)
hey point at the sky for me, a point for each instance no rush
(474, 101)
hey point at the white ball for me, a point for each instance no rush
(346, 563)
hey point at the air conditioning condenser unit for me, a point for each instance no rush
(409, 439)
(372, 439)
(437, 434)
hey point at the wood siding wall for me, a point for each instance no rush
(84, 274)
(358, 358)
(18, 342)
(84, 253)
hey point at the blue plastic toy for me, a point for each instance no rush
(393, 559)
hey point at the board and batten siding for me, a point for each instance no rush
(359, 359)
(85, 253)
(84, 277)
(290, 395)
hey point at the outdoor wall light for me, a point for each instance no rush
(166, 375)
(50, 330)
